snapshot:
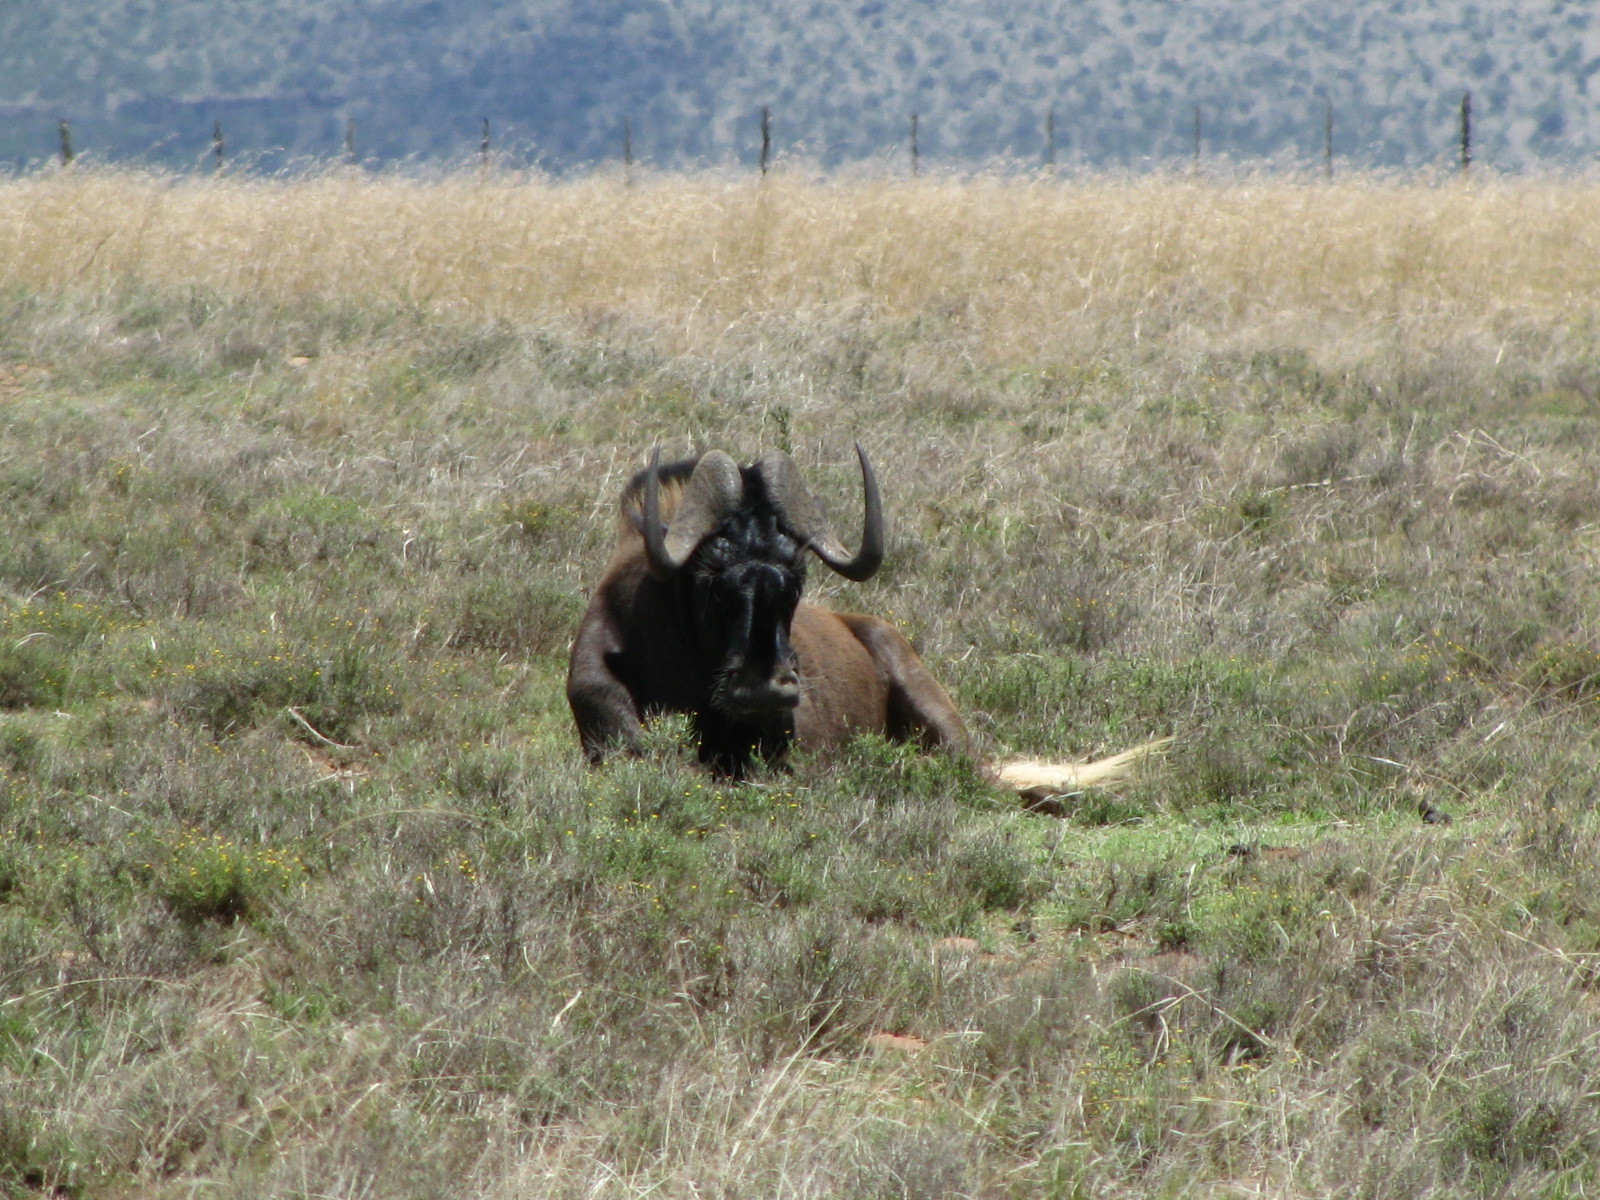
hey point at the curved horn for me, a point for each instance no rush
(713, 491)
(802, 513)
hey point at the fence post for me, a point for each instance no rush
(1327, 141)
(483, 149)
(216, 148)
(627, 151)
(1050, 138)
(66, 144)
(916, 152)
(1466, 132)
(350, 141)
(766, 137)
(1196, 137)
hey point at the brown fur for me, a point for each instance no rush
(858, 674)
(630, 512)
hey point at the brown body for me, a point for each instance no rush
(700, 613)
(632, 657)
(650, 644)
(859, 674)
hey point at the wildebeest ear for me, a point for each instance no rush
(801, 512)
(713, 492)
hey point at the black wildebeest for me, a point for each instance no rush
(700, 613)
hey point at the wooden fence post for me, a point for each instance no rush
(1466, 132)
(1050, 138)
(1327, 141)
(916, 152)
(766, 137)
(483, 149)
(350, 141)
(216, 148)
(67, 154)
(1196, 137)
(627, 151)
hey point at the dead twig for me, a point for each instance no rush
(316, 733)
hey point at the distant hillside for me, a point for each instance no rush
(558, 78)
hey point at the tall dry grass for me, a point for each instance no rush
(1026, 266)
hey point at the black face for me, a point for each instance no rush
(747, 579)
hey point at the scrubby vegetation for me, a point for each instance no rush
(304, 891)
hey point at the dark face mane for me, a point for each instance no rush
(746, 580)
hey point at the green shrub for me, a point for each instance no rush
(514, 616)
(207, 877)
(334, 688)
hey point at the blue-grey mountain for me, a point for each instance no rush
(557, 79)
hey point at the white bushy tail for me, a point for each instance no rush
(1034, 779)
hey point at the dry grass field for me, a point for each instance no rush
(305, 892)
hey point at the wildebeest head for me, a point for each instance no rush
(738, 537)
